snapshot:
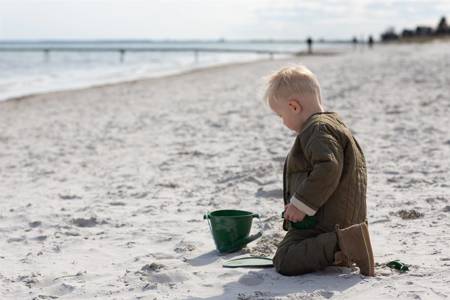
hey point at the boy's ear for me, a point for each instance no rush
(295, 105)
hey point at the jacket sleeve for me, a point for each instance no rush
(326, 157)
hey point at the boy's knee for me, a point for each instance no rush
(278, 263)
(288, 266)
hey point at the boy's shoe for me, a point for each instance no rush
(340, 260)
(354, 242)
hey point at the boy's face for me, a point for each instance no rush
(290, 112)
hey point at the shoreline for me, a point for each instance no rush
(130, 81)
(171, 74)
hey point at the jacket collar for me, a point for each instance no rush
(311, 118)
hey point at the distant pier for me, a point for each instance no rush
(123, 50)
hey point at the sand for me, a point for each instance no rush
(103, 190)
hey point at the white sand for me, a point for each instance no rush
(98, 184)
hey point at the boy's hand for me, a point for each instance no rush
(293, 214)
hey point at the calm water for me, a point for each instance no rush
(23, 73)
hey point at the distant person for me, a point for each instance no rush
(355, 42)
(370, 42)
(324, 182)
(309, 41)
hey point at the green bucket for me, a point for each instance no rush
(231, 229)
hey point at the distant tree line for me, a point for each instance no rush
(442, 29)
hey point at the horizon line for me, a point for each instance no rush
(169, 40)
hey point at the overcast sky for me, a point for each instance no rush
(211, 19)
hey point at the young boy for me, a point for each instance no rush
(324, 176)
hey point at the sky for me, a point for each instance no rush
(212, 19)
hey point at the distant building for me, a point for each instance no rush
(408, 33)
(389, 35)
(442, 27)
(424, 30)
(420, 31)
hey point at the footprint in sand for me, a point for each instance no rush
(157, 273)
(274, 193)
(35, 224)
(83, 222)
(117, 203)
(16, 239)
(29, 280)
(251, 279)
(68, 196)
(61, 289)
(184, 246)
(153, 267)
(39, 238)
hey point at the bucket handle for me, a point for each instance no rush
(249, 239)
(206, 216)
(243, 241)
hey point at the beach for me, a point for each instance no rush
(104, 189)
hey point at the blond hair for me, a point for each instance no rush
(292, 81)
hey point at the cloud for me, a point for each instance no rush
(161, 19)
(158, 19)
(345, 18)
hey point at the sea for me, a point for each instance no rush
(29, 72)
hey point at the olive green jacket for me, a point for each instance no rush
(325, 173)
